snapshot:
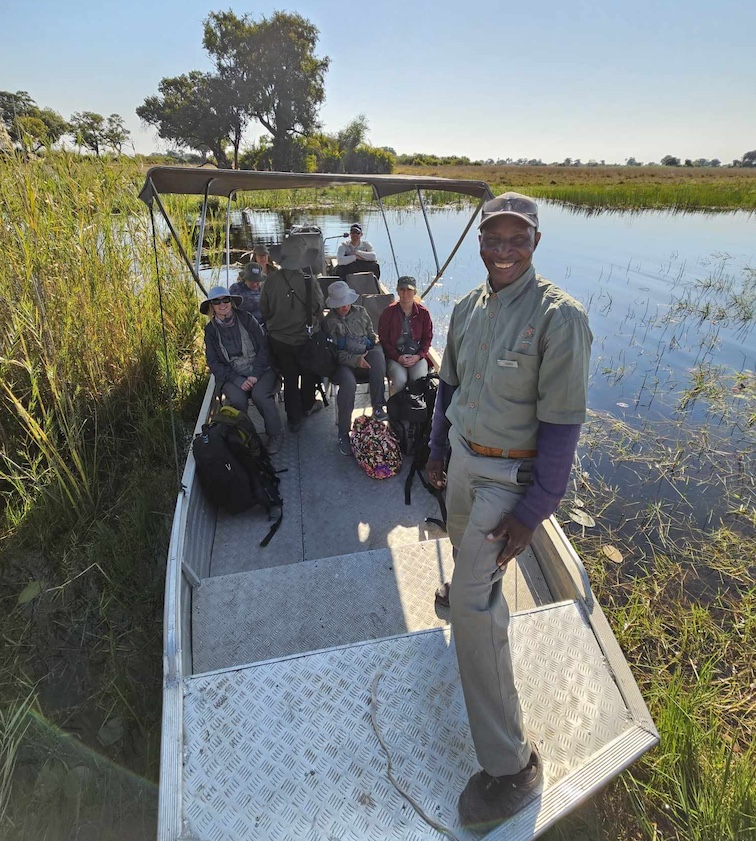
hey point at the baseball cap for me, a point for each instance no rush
(511, 204)
(252, 271)
(406, 282)
(356, 227)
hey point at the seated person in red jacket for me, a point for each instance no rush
(405, 330)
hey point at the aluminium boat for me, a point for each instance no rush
(310, 687)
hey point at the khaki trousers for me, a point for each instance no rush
(479, 491)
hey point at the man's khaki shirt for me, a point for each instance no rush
(518, 356)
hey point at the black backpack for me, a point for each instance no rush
(411, 416)
(234, 467)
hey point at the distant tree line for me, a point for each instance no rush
(32, 129)
(422, 159)
(266, 72)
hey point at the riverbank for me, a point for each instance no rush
(617, 187)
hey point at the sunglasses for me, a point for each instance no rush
(225, 300)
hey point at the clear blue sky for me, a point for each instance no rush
(490, 79)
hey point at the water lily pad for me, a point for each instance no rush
(31, 591)
(578, 503)
(582, 517)
(612, 552)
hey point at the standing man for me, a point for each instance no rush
(512, 397)
(290, 316)
(356, 255)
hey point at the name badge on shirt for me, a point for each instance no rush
(507, 363)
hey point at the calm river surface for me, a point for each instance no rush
(667, 295)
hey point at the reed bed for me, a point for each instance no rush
(617, 187)
(682, 601)
(87, 468)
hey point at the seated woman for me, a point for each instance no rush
(406, 331)
(352, 330)
(237, 354)
(249, 288)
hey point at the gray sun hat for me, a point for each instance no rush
(297, 254)
(252, 271)
(406, 282)
(511, 204)
(219, 292)
(340, 294)
(260, 249)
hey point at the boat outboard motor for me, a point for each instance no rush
(312, 238)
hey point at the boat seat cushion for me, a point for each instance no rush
(375, 305)
(363, 283)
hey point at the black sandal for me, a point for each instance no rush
(442, 595)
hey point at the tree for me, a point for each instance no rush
(669, 160)
(272, 74)
(749, 159)
(193, 111)
(89, 130)
(116, 135)
(27, 124)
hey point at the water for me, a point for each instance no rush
(668, 296)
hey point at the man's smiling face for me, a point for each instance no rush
(507, 244)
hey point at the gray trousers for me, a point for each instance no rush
(399, 375)
(479, 491)
(347, 382)
(262, 397)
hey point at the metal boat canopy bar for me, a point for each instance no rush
(225, 182)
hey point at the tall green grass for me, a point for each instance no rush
(682, 603)
(87, 470)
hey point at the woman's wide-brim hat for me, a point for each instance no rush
(340, 294)
(219, 292)
(296, 253)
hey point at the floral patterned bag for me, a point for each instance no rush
(375, 448)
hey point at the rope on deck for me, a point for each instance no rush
(415, 805)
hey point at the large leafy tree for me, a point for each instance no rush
(194, 111)
(271, 73)
(29, 125)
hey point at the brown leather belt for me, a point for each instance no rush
(495, 452)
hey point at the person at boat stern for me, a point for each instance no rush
(249, 286)
(237, 354)
(406, 332)
(261, 256)
(511, 401)
(289, 318)
(356, 255)
(358, 352)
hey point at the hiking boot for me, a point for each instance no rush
(345, 445)
(489, 800)
(380, 414)
(275, 442)
(316, 407)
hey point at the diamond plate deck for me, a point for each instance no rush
(330, 506)
(286, 749)
(247, 617)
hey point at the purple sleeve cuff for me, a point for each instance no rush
(439, 437)
(556, 444)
